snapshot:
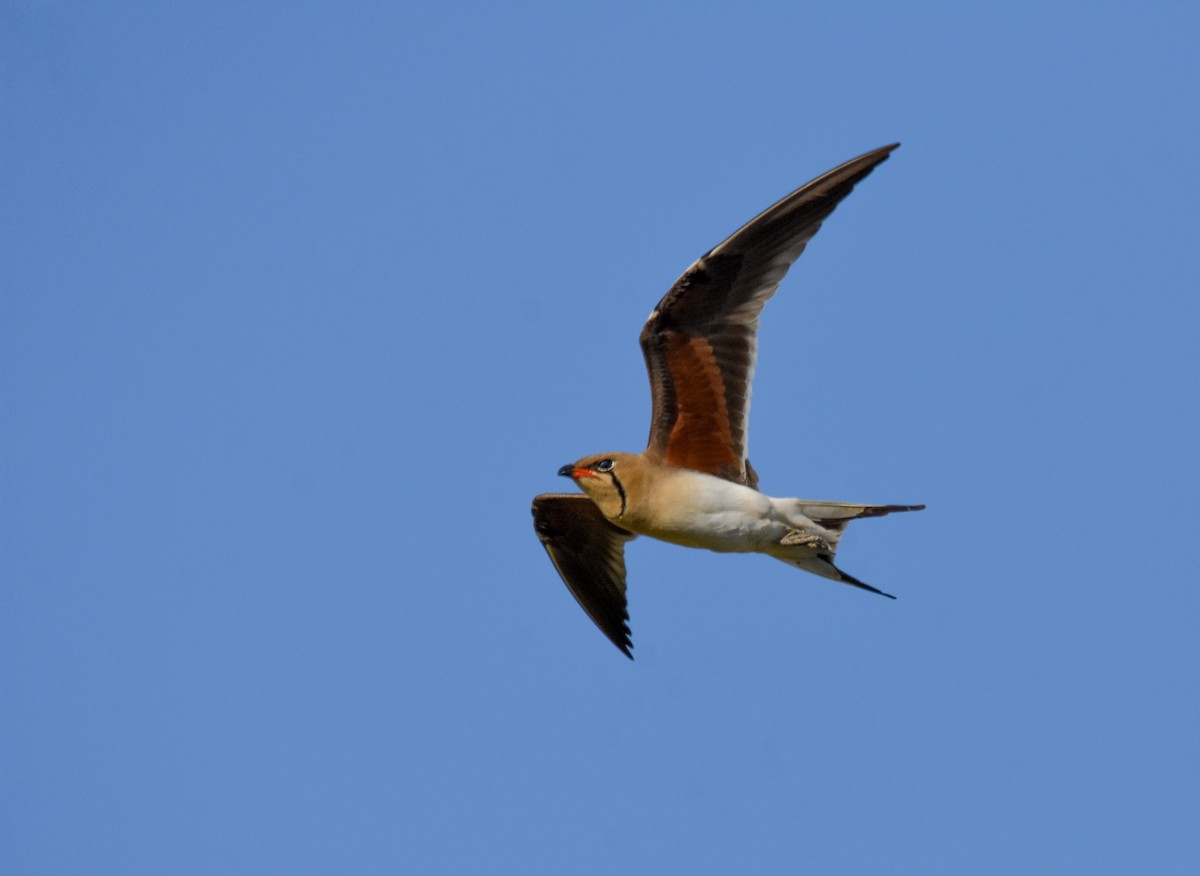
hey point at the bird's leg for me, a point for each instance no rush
(806, 539)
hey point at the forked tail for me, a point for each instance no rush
(822, 565)
(835, 515)
(816, 554)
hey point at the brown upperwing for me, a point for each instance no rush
(589, 553)
(700, 342)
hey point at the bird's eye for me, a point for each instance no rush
(604, 465)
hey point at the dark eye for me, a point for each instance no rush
(603, 465)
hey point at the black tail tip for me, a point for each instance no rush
(854, 582)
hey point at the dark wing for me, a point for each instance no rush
(700, 342)
(589, 553)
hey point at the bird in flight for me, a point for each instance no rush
(693, 484)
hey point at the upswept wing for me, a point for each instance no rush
(589, 553)
(700, 342)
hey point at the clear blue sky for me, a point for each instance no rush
(301, 304)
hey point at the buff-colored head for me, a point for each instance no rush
(604, 477)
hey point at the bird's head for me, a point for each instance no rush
(600, 476)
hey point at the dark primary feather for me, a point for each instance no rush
(700, 343)
(589, 553)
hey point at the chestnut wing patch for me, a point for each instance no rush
(700, 363)
(700, 439)
(700, 342)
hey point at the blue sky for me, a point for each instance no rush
(301, 304)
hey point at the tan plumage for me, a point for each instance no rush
(693, 484)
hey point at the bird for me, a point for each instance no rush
(693, 485)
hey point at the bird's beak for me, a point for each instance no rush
(573, 471)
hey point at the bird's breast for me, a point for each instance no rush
(699, 510)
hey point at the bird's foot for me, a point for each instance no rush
(806, 539)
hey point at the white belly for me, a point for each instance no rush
(699, 510)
